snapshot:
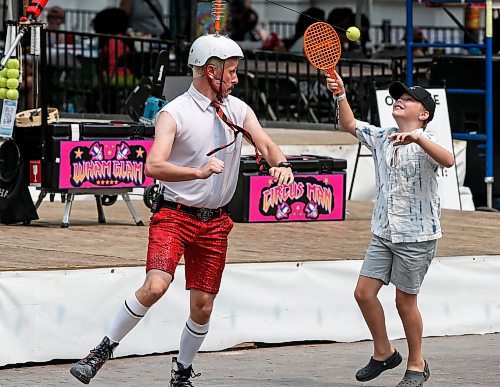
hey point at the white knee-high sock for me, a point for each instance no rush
(192, 337)
(129, 315)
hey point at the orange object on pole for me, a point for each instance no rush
(472, 17)
(216, 11)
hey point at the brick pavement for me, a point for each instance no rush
(87, 244)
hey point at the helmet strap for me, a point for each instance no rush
(218, 92)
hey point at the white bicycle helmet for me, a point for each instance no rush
(207, 46)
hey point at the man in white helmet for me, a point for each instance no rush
(195, 157)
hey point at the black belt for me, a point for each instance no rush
(203, 214)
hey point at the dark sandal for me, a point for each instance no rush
(375, 367)
(415, 378)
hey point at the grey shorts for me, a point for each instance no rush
(403, 264)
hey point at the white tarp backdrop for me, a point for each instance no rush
(62, 314)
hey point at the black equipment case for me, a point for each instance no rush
(42, 144)
(318, 192)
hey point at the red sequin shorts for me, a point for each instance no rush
(173, 233)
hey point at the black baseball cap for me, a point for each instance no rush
(397, 89)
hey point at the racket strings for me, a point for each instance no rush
(322, 46)
(325, 55)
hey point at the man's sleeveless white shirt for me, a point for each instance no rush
(200, 130)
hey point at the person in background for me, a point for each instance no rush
(344, 18)
(56, 16)
(245, 27)
(112, 49)
(418, 37)
(296, 44)
(253, 31)
(238, 27)
(146, 17)
(273, 42)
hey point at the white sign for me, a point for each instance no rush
(440, 127)
(8, 118)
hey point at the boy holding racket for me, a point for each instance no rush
(190, 217)
(405, 222)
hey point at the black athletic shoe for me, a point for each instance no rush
(181, 375)
(87, 368)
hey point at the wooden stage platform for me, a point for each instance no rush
(43, 245)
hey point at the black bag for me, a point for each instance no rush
(16, 204)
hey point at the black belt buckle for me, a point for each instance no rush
(205, 214)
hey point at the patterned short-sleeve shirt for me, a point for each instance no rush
(407, 206)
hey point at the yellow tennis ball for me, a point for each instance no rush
(353, 33)
(13, 63)
(12, 94)
(3, 82)
(3, 93)
(13, 73)
(3, 73)
(12, 83)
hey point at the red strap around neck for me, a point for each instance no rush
(236, 130)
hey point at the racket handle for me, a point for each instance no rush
(331, 74)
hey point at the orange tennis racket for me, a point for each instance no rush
(322, 47)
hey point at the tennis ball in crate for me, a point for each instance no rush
(3, 73)
(13, 63)
(13, 73)
(3, 82)
(12, 83)
(3, 93)
(12, 94)
(353, 33)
